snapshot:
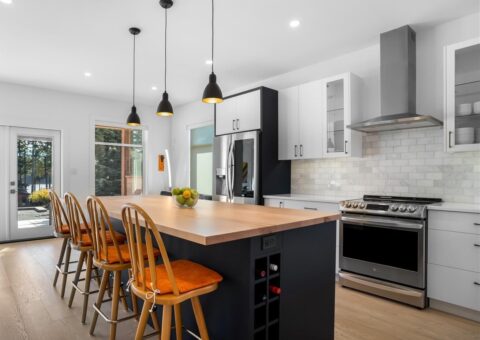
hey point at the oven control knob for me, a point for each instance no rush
(412, 208)
(394, 207)
(348, 204)
(355, 205)
(402, 208)
(362, 205)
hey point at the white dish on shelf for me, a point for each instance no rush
(476, 107)
(464, 109)
(464, 135)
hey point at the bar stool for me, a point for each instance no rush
(168, 284)
(83, 242)
(111, 258)
(61, 230)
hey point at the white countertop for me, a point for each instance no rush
(457, 207)
(310, 198)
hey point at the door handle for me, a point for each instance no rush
(295, 151)
(233, 124)
(450, 139)
(301, 150)
(346, 152)
(238, 124)
(13, 191)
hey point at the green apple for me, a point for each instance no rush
(190, 202)
(180, 199)
(176, 191)
(194, 194)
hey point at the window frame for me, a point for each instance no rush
(93, 143)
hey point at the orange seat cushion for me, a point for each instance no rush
(65, 229)
(188, 275)
(85, 240)
(113, 254)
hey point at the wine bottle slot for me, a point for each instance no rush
(275, 290)
(273, 267)
(261, 273)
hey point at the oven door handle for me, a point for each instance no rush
(377, 222)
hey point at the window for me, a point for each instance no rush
(118, 161)
(201, 160)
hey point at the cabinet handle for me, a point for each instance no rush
(346, 152)
(450, 139)
(238, 124)
(308, 208)
(280, 205)
(476, 223)
(233, 124)
(476, 283)
(476, 245)
(301, 150)
(295, 151)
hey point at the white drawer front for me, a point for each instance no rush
(273, 202)
(454, 286)
(320, 206)
(453, 249)
(454, 221)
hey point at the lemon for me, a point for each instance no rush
(187, 194)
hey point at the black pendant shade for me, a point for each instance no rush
(212, 93)
(165, 108)
(133, 118)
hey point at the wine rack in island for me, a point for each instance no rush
(267, 295)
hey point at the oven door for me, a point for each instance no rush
(387, 248)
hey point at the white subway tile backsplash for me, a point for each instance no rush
(408, 163)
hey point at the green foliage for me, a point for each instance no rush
(39, 197)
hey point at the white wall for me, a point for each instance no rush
(75, 115)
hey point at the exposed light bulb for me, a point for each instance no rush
(294, 23)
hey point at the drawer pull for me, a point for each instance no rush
(476, 223)
(476, 283)
(476, 245)
(308, 208)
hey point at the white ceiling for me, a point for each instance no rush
(51, 43)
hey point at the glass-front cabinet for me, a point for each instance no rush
(341, 107)
(462, 96)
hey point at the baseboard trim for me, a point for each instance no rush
(463, 312)
(27, 239)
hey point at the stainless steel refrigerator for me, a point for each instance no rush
(236, 168)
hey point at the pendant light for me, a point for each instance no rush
(165, 107)
(212, 93)
(133, 118)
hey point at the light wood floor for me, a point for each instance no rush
(30, 308)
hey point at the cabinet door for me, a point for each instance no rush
(225, 116)
(288, 124)
(462, 96)
(310, 120)
(334, 141)
(248, 112)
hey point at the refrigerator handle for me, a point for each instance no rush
(232, 169)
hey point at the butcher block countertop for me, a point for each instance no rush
(212, 222)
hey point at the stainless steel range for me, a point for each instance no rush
(383, 246)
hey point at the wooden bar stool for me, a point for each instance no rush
(111, 258)
(61, 230)
(168, 284)
(83, 242)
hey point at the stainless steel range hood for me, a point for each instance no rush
(397, 85)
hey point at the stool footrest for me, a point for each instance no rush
(81, 291)
(99, 311)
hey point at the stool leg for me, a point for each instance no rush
(60, 260)
(123, 297)
(65, 268)
(88, 279)
(166, 322)
(115, 298)
(143, 320)
(101, 294)
(156, 324)
(178, 322)
(197, 310)
(134, 299)
(81, 259)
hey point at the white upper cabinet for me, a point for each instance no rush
(462, 96)
(238, 113)
(313, 119)
(341, 97)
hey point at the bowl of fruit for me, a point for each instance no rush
(185, 197)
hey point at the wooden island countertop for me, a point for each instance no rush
(216, 222)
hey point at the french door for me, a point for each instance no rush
(33, 169)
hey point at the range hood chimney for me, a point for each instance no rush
(397, 85)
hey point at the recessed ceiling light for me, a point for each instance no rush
(87, 74)
(154, 88)
(6, 2)
(294, 23)
(209, 62)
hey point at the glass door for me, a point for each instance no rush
(34, 160)
(335, 117)
(244, 163)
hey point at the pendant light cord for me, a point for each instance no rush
(134, 70)
(165, 81)
(213, 31)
